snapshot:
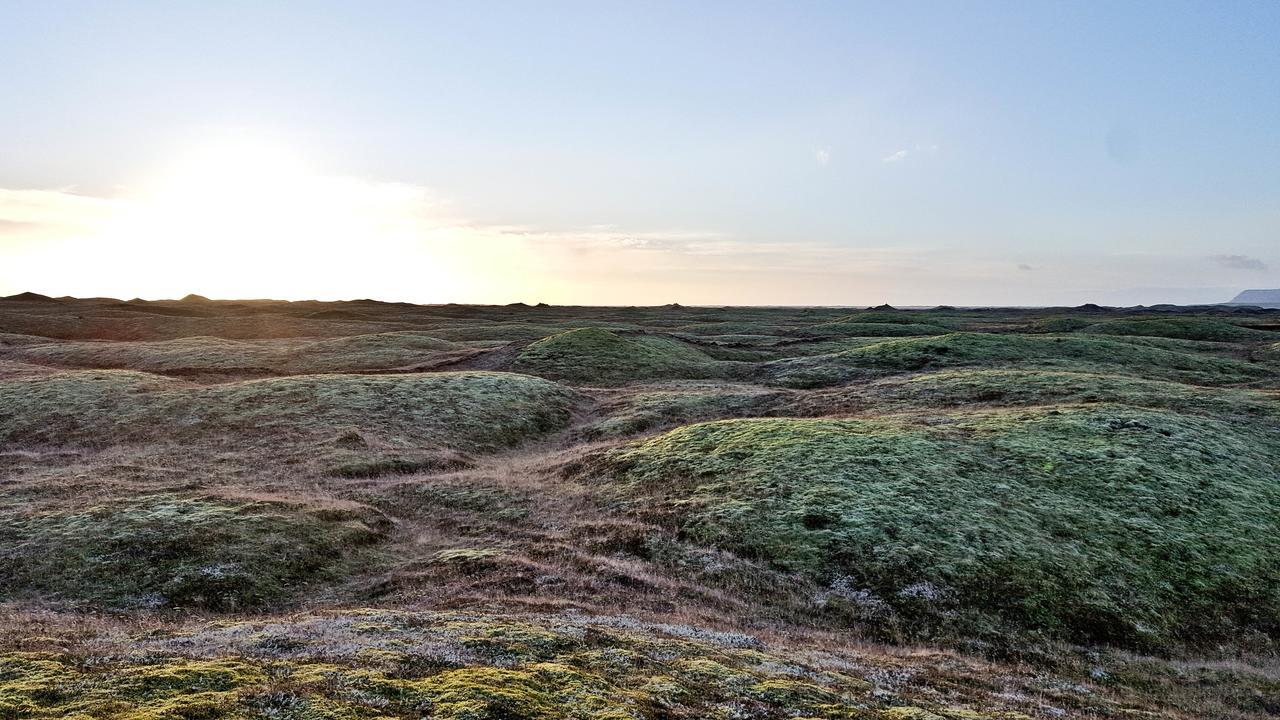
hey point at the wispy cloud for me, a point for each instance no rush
(904, 153)
(823, 156)
(1239, 262)
(1025, 267)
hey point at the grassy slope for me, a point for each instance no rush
(1108, 524)
(173, 552)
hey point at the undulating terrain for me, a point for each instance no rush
(375, 510)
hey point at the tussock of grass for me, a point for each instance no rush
(598, 356)
(175, 552)
(978, 349)
(1104, 524)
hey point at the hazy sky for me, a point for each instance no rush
(639, 152)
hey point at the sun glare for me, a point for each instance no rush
(248, 219)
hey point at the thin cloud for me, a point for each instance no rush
(823, 156)
(904, 153)
(1239, 262)
(1025, 267)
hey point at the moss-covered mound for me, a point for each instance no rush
(194, 355)
(847, 328)
(462, 410)
(979, 349)
(174, 552)
(678, 403)
(166, 356)
(367, 352)
(1184, 328)
(1105, 523)
(968, 387)
(1059, 324)
(598, 356)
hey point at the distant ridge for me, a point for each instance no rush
(193, 298)
(28, 297)
(1261, 298)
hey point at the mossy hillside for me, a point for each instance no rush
(969, 387)
(381, 664)
(1101, 524)
(167, 551)
(1183, 328)
(459, 410)
(979, 349)
(598, 356)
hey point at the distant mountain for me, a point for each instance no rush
(1261, 298)
(28, 297)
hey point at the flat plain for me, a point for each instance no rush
(260, 509)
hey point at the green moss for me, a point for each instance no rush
(667, 405)
(598, 356)
(165, 551)
(967, 529)
(1185, 328)
(870, 329)
(962, 388)
(978, 349)
(460, 410)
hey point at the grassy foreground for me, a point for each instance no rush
(376, 510)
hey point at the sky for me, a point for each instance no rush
(845, 153)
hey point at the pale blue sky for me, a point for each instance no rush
(737, 152)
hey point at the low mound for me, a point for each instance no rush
(1102, 524)
(897, 317)
(173, 552)
(959, 388)
(672, 404)
(167, 356)
(368, 352)
(870, 329)
(1180, 328)
(459, 410)
(976, 349)
(1059, 324)
(595, 355)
